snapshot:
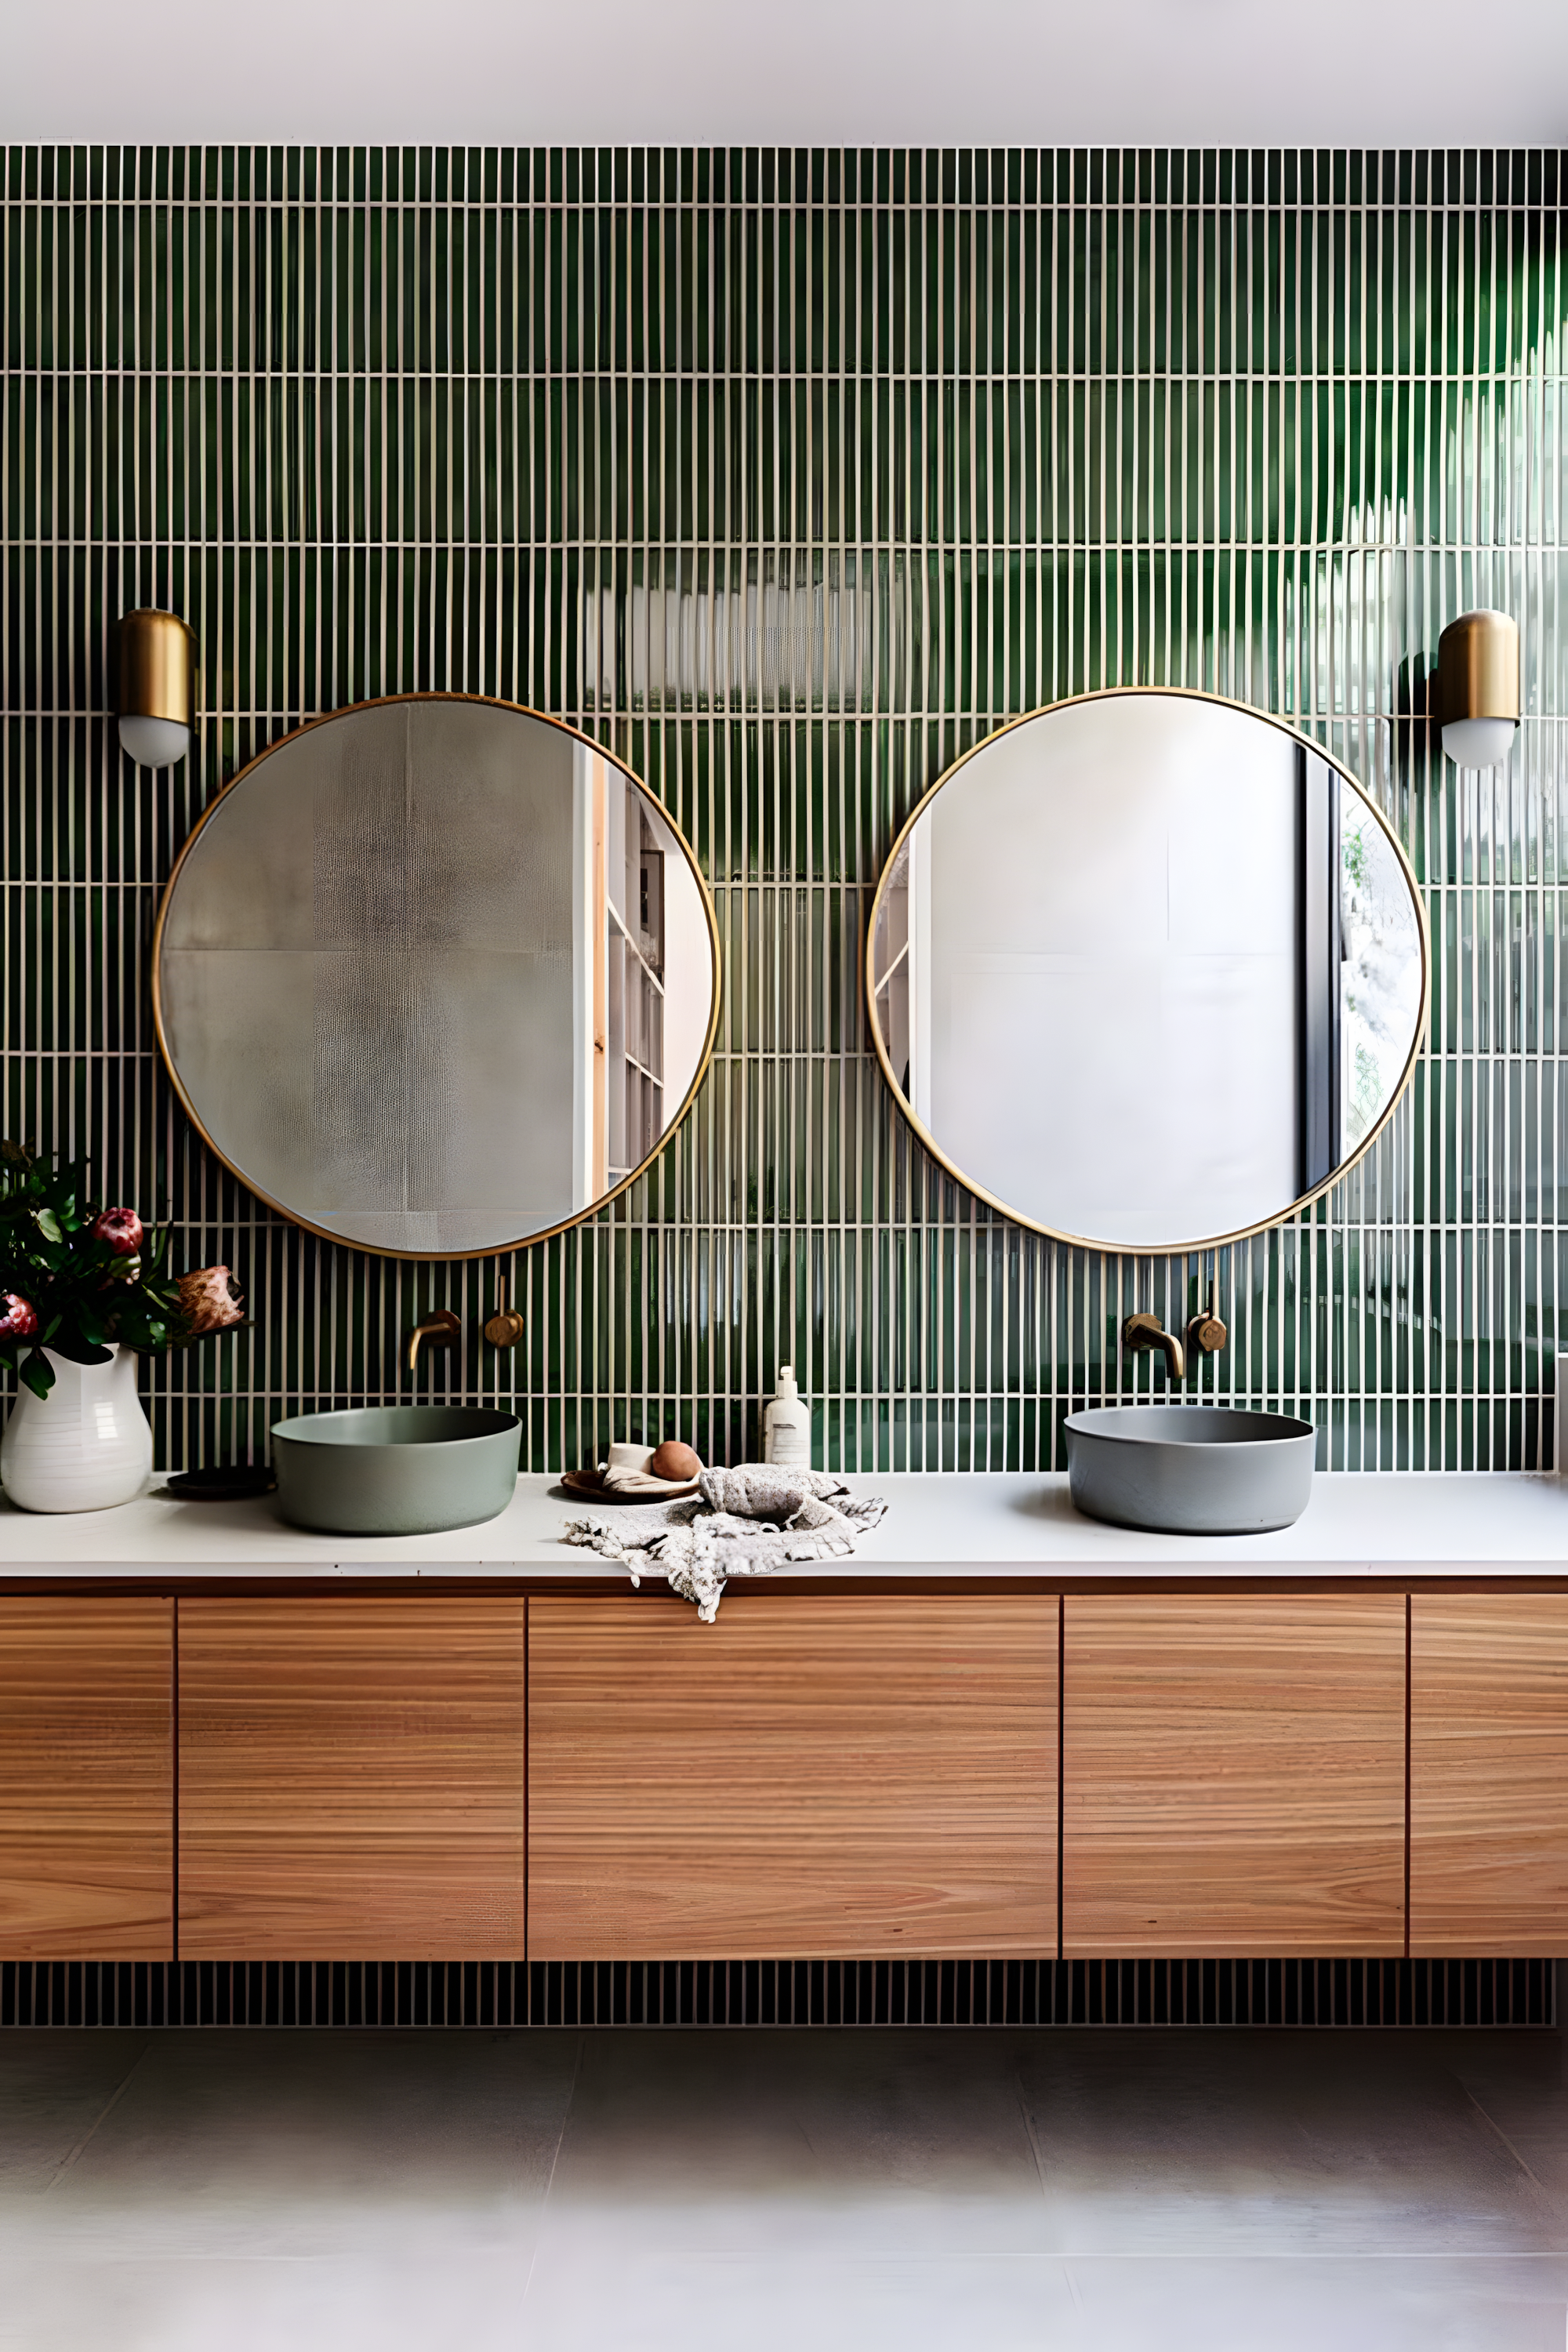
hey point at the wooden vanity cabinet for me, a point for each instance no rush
(449, 1775)
(87, 1761)
(838, 1776)
(1233, 1774)
(1489, 1773)
(352, 1777)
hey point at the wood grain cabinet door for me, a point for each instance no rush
(1234, 1774)
(352, 1778)
(1489, 1774)
(86, 1819)
(809, 1776)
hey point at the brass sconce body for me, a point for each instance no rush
(157, 694)
(1478, 688)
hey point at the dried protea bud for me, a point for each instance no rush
(207, 1301)
(120, 1228)
(17, 1318)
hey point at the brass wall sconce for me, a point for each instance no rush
(157, 698)
(1478, 688)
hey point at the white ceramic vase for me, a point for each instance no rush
(85, 1447)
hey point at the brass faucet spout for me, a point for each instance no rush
(440, 1328)
(1142, 1331)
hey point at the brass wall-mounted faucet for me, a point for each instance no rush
(440, 1329)
(1140, 1331)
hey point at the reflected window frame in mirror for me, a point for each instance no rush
(884, 918)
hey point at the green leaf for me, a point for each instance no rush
(94, 1328)
(38, 1374)
(48, 1224)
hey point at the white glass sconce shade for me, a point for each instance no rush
(153, 742)
(1478, 688)
(157, 696)
(1478, 742)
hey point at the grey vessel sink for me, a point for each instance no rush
(1190, 1469)
(396, 1469)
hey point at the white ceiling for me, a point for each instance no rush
(971, 72)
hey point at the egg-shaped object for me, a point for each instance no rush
(674, 1460)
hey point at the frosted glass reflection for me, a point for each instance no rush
(1380, 974)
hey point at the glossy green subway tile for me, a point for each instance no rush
(789, 476)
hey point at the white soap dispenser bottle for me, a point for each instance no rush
(786, 1426)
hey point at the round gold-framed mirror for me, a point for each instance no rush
(435, 976)
(1147, 970)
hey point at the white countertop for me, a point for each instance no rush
(999, 1524)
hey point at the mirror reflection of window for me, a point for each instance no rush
(902, 965)
(1380, 972)
(638, 1020)
(1146, 970)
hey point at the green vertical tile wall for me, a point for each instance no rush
(789, 474)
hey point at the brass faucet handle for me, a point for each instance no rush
(506, 1326)
(1205, 1331)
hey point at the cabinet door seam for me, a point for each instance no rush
(1061, 1757)
(174, 1780)
(1408, 1669)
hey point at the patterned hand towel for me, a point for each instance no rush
(744, 1522)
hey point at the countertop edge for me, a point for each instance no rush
(964, 1530)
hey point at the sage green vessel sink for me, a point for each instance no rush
(396, 1469)
(1190, 1469)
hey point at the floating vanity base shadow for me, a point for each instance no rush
(501, 1995)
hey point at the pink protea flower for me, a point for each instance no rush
(208, 1302)
(17, 1319)
(120, 1228)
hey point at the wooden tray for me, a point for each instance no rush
(590, 1484)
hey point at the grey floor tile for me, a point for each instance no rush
(1331, 2303)
(55, 2088)
(785, 2300)
(283, 2143)
(384, 2301)
(1156, 2142)
(890, 2140)
(672, 2192)
(1517, 2081)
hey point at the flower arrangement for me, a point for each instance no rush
(82, 1280)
